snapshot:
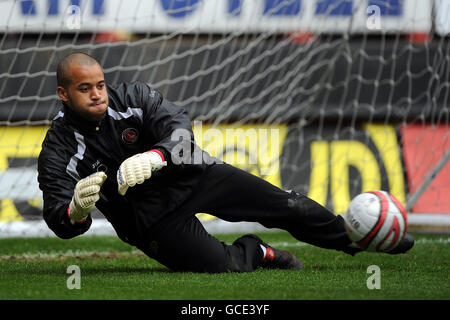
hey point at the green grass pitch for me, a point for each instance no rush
(36, 269)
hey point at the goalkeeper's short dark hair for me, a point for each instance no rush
(63, 70)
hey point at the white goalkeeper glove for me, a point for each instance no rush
(85, 196)
(137, 169)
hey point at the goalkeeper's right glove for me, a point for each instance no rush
(86, 194)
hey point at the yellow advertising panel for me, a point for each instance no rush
(17, 143)
(374, 153)
(254, 148)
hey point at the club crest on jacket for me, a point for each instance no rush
(129, 135)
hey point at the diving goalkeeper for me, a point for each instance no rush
(112, 147)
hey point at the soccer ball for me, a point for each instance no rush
(376, 221)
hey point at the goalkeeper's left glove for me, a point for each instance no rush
(137, 169)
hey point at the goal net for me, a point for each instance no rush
(327, 97)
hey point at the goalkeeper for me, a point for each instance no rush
(113, 147)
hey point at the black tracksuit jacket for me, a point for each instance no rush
(138, 119)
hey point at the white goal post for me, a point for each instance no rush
(328, 97)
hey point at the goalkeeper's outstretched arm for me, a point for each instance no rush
(67, 204)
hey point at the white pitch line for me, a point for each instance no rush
(437, 240)
(66, 254)
(287, 244)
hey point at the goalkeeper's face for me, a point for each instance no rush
(86, 93)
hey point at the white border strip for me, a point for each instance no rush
(30, 229)
(429, 219)
(101, 227)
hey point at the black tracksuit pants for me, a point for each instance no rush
(182, 244)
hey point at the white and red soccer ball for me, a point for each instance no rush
(376, 221)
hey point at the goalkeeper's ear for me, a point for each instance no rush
(62, 93)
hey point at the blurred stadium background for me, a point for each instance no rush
(341, 96)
